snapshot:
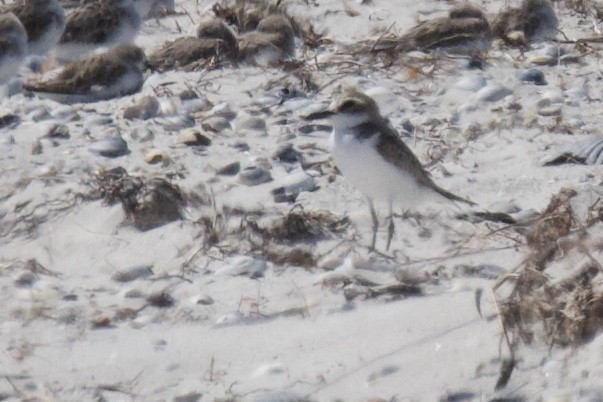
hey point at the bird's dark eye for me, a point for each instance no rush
(347, 105)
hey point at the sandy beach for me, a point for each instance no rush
(248, 277)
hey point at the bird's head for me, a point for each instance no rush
(350, 109)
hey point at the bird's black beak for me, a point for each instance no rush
(319, 115)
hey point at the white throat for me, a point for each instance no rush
(345, 121)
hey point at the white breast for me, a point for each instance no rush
(365, 168)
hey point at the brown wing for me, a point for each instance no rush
(91, 23)
(252, 42)
(441, 32)
(184, 51)
(397, 152)
(79, 77)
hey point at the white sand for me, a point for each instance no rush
(239, 342)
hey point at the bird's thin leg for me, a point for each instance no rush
(375, 223)
(390, 227)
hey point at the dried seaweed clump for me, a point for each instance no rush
(556, 294)
(283, 240)
(148, 203)
(301, 226)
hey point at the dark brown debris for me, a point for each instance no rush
(299, 225)
(465, 30)
(148, 203)
(554, 223)
(556, 294)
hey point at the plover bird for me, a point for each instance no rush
(13, 46)
(44, 21)
(216, 28)
(214, 39)
(535, 19)
(103, 23)
(112, 74)
(464, 30)
(273, 41)
(372, 157)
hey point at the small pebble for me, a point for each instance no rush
(156, 156)
(215, 124)
(193, 137)
(269, 369)
(240, 145)
(191, 106)
(205, 300)
(146, 108)
(298, 181)
(99, 121)
(161, 300)
(222, 110)
(287, 153)
(132, 273)
(110, 147)
(542, 60)
(170, 106)
(471, 83)
(254, 175)
(250, 126)
(175, 123)
(533, 76)
(280, 196)
(493, 93)
(230, 169)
